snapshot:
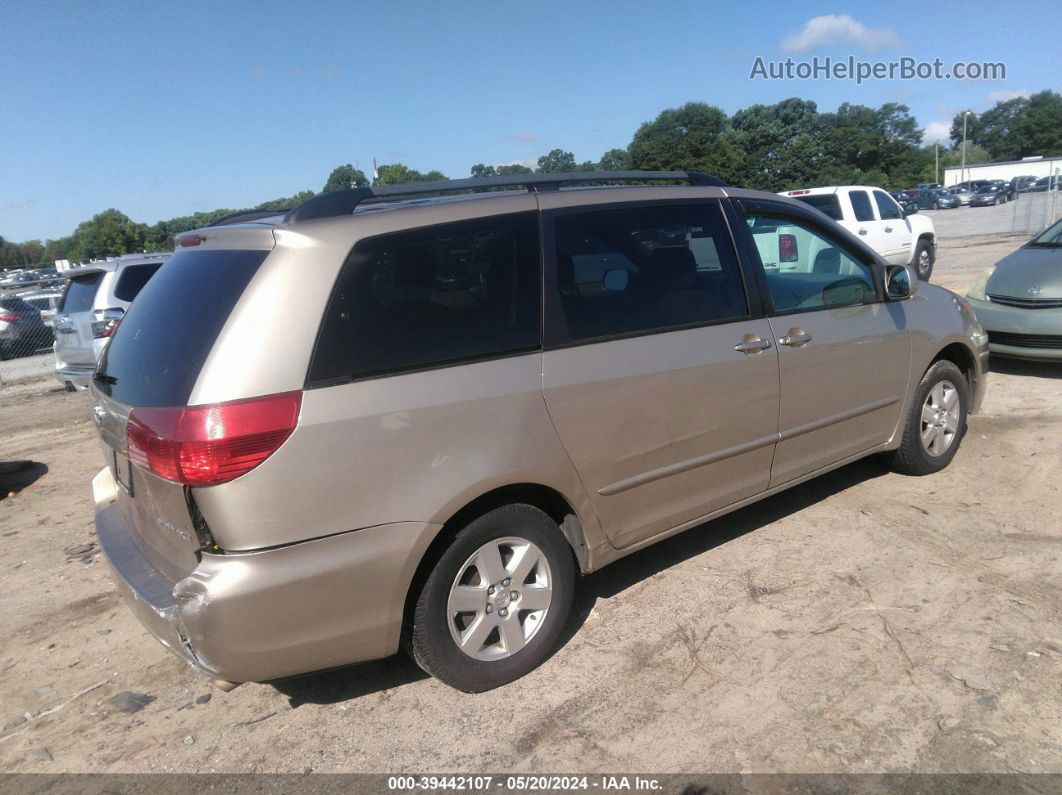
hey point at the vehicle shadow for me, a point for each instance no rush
(343, 684)
(1033, 369)
(16, 475)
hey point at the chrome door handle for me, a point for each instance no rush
(862, 231)
(752, 346)
(795, 338)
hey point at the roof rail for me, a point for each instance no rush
(343, 202)
(248, 215)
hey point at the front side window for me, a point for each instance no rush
(646, 269)
(887, 208)
(805, 269)
(425, 297)
(861, 205)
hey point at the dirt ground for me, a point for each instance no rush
(864, 621)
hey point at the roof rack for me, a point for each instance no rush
(249, 215)
(343, 202)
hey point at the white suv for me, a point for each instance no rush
(95, 300)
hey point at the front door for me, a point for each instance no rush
(844, 353)
(896, 232)
(661, 380)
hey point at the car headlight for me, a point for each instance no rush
(977, 289)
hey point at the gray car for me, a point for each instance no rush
(481, 396)
(1019, 299)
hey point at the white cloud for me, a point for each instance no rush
(531, 163)
(1003, 96)
(936, 132)
(831, 30)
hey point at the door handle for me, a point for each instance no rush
(796, 338)
(752, 344)
(862, 231)
(888, 228)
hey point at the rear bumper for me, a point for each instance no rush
(262, 615)
(78, 375)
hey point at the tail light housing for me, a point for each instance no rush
(106, 322)
(787, 248)
(8, 318)
(212, 444)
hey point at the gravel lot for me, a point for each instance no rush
(861, 622)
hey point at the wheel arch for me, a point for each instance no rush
(962, 357)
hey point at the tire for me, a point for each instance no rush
(921, 451)
(923, 260)
(70, 386)
(491, 624)
(936, 205)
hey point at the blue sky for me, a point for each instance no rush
(164, 109)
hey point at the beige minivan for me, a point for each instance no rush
(410, 415)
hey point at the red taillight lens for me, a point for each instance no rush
(787, 248)
(5, 318)
(102, 329)
(210, 445)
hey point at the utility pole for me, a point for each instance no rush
(962, 172)
(936, 162)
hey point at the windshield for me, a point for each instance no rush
(1052, 236)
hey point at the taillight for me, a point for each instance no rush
(213, 444)
(104, 328)
(7, 318)
(787, 248)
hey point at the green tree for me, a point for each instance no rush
(481, 171)
(556, 160)
(614, 160)
(513, 169)
(1039, 131)
(694, 137)
(343, 177)
(955, 133)
(107, 234)
(398, 173)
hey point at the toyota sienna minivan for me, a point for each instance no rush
(411, 415)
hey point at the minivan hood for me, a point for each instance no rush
(1026, 268)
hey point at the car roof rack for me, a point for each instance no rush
(249, 215)
(343, 202)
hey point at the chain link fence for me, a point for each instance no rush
(26, 313)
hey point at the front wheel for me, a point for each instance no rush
(936, 205)
(935, 423)
(923, 260)
(495, 604)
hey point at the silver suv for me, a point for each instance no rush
(94, 302)
(385, 418)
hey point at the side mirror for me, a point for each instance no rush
(900, 282)
(910, 209)
(615, 280)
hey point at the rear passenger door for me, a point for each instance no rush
(659, 371)
(844, 353)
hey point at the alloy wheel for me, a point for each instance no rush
(940, 418)
(499, 599)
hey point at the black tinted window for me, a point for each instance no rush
(14, 305)
(155, 356)
(645, 269)
(429, 296)
(861, 205)
(826, 202)
(81, 292)
(132, 280)
(887, 208)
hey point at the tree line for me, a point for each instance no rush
(768, 147)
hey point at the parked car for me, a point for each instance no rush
(22, 332)
(46, 302)
(876, 217)
(988, 195)
(1048, 183)
(399, 462)
(94, 302)
(962, 193)
(1022, 184)
(908, 204)
(1019, 299)
(934, 199)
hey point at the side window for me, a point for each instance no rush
(861, 205)
(646, 269)
(887, 208)
(807, 270)
(428, 296)
(132, 280)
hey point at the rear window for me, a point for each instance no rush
(426, 297)
(81, 292)
(155, 356)
(825, 202)
(132, 280)
(14, 304)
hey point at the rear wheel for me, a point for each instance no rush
(495, 604)
(936, 205)
(936, 422)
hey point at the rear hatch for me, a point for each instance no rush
(73, 322)
(141, 389)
